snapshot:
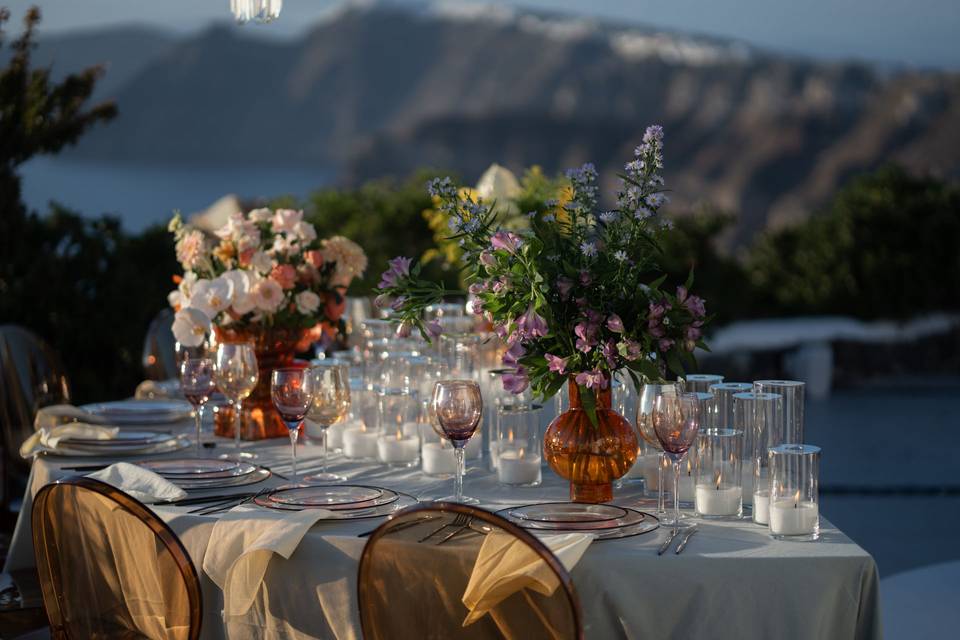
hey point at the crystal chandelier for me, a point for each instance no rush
(257, 10)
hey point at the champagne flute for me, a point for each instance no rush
(676, 420)
(645, 405)
(197, 384)
(236, 378)
(292, 393)
(331, 404)
(458, 406)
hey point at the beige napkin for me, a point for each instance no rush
(50, 437)
(242, 544)
(142, 484)
(57, 414)
(154, 390)
(505, 564)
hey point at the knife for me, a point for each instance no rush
(668, 541)
(686, 538)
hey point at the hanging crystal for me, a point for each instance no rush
(257, 10)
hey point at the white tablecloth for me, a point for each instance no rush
(733, 581)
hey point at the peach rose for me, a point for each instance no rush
(285, 275)
(314, 257)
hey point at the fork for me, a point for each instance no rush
(217, 508)
(460, 521)
(460, 529)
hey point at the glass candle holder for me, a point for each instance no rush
(794, 492)
(398, 442)
(792, 392)
(758, 416)
(518, 445)
(700, 382)
(359, 437)
(719, 493)
(721, 411)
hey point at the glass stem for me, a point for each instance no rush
(661, 494)
(236, 432)
(199, 413)
(676, 493)
(458, 487)
(323, 455)
(294, 434)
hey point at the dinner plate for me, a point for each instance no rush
(175, 443)
(123, 438)
(134, 412)
(258, 475)
(335, 497)
(568, 513)
(631, 519)
(193, 467)
(402, 502)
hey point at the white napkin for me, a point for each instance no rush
(505, 564)
(50, 437)
(142, 484)
(242, 544)
(57, 414)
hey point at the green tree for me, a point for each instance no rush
(888, 246)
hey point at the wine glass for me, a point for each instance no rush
(676, 420)
(645, 405)
(331, 404)
(236, 378)
(197, 383)
(292, 393)
(458, 406)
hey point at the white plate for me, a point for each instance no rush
(175, 443)
(123, 438)
(125, 412)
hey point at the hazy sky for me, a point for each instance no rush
(916, 32)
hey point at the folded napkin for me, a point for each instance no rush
(154, 390)
(50, 437)
(57, 414)
(506, 564)
(243, 542)
(142, 484)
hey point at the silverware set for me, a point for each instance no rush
(684, 539)
(228, 503)
(461, 524)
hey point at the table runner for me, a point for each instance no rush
(732, 581)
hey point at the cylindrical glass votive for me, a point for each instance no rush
(718, 474)
(518, 445)
(757, 415)
(700, 382)
(721, 411)
(399, 441)
(794, 492)
(792, 392)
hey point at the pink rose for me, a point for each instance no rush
(314, 257)
(285, 275)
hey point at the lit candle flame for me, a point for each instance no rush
(399, 433)
(719, 479)
(520, 454)
(796, 499)
(510, 435)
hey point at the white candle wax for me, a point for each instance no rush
(761, 507)
(714, 501)
(393, 450)
(687, 493)
(358, 443)
(410, 429)
(438, 460)
(334, 432)
(792, 518)
(516, 468)
(494, 457)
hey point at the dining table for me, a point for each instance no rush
(732, 581)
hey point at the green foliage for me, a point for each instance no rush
(382, 216)
(888, 246)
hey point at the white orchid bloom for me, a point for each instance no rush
(307, 302)
(260, 215)
(305, 232)
(175, 298)
(244, 283)
(262, 262)
(267, 295)
(190, 327)
(286, 220)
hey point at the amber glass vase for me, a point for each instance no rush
(590, 456)
(275, 348)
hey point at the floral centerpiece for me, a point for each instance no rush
(266, 278)
(577, 298)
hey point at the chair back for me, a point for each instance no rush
(109, 567)
(160, 348)
(32, 377)
(413, 585)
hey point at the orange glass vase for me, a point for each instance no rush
(590, 456)
(275, 348)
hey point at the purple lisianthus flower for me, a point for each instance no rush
(381, 301)
(657, 310)
(506, 240)
(693, 333)
(477, 288)
(564, 285)
(513, 354)
(487, 259)
(609, 351)
(586, 333)
(593, 317)
(681, 294)
(398, 302)
(404, 329)
(592, 379)
(476, 306)
(501, 285)
(614, 323)
(696, 306)
(556, 363)
(665, 344)
(399, 267)
(516, 382)
(434, 329)
(656, 329)
(532, 324)
(585, 278)
(632, 350)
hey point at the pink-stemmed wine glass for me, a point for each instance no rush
(676, 421)
(292, 393)
(197, 384)
(458, 406)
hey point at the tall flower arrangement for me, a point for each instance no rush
(579, 294)
(261, 268)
